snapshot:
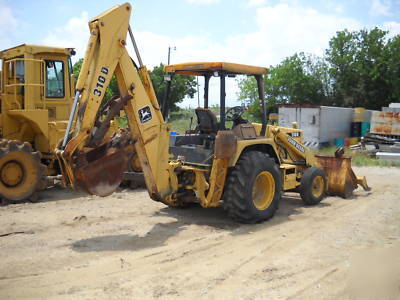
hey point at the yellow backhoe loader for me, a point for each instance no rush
(245, 168)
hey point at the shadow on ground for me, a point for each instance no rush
(156, 237)
(194, 215)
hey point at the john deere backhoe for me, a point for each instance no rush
(244, 168)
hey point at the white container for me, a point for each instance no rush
(321, 124)
(394, 105)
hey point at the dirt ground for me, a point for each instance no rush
(125, 246)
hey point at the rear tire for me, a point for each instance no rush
(313, 186)
(253, 188)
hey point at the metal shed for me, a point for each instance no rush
(321, 124)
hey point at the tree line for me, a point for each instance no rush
(359, 68)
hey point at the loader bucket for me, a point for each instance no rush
(99, 171)
(340, 176)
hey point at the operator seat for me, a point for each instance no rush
(206, 120)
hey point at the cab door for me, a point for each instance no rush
(57, 88)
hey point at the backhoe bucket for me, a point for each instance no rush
(100, 170)
(340, 176)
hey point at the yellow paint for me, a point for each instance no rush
(317, 186)
(263, 191)
(27, 114)
(202, 68)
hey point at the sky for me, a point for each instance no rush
(256, 32)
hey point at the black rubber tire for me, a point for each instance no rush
(33, 178)
(306, 185)
(237, 195)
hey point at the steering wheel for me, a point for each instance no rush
(234, 112)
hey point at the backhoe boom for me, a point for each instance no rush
(95, 164)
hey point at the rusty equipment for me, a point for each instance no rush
(341, 178)
(230, 162)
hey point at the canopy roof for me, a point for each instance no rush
(33, 49)
(204, 68)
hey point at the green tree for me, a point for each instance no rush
(362, 67)
(181, 87)
(297, 79)
(394, 68)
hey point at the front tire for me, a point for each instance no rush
(313, 186)
(253, 188)
(21, 172)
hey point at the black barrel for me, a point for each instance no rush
(355, 130)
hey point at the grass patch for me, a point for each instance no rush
(180, 120)
(360, 159)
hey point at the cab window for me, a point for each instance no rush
(54, 79)
(1, 77)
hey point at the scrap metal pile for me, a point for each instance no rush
(382, 147)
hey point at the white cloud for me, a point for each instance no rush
(74, 34)
(285, 29)
(256, 3)
(380, 8)
(281, 31)
(334, 5)
(8, 25)
(202, 1)
(393, 27)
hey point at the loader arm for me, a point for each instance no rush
(339, 174)
(88, 160)
(297, 151)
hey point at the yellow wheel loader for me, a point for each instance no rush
(244, 168)
(36, 90)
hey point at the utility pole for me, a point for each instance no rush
(198, 95)
(168, 80)
(169, 53)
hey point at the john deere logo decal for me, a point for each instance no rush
(145, 114)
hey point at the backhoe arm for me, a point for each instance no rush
(91, 162)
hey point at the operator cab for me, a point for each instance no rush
(196, 147)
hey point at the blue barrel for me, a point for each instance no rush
(365, 127)
(339, 142)
(173, 133)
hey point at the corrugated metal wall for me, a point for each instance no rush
(385, 122)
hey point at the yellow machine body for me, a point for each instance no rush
(36, 95)
(36, 89)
